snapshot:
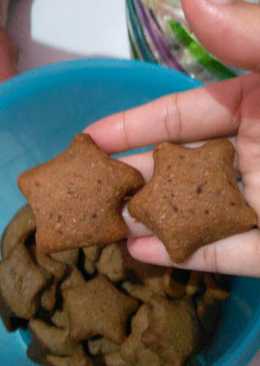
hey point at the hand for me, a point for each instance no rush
(230, 108)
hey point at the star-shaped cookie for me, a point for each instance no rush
(193, 199)
(21, 283)
(98, 308)
(77, 197)
(78, 358)
(173, 331)
(133, 351)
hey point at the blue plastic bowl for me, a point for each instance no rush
(41, 111)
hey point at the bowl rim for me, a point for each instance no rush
(35, 78)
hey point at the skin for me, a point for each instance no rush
(229, 108)
(8, 51)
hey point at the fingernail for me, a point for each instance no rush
(222, 2)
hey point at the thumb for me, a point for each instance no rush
(228, 28)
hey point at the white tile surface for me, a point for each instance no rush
(52, 30)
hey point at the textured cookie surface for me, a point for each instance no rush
(21, 281)
(77, 197)
(173, 330)
(133, 351)
(78, 358)
(54, 340)
(193, 198)
(98, 308)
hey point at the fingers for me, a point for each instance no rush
(145, 163)
(135, 229)
(142, 162)
(248, 147)
(237, 255)
(190, 116)
(228, 29)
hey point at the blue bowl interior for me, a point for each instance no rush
(41, 111)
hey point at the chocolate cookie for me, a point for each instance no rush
(91, 255)
(69, 257)
(115, 359)
(98, 308)
(77, 197)
(74, 279)
(173, 330)
(193, 198)
(47, 339)
(116, 263)
(102, 346)
(133, 351)
(21, 282)
(18, 230)
(60, 319)
(48, 298)
(78, 358)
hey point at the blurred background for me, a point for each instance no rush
(150, 30)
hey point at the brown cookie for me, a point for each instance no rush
(173, 330)
(116, 263)
(91, 255)
(48, 298)
(60, 319)
(89, 267)
(144, 273)
(21, 282)
(52, 267)
(98, 308)
(18, 230)
(173, 288)
(78, 358)
(137, 291)
(213, 290)
(77, 197)
(69, 257)
(193, 198)
(47, 339)
(164, 286)
(11, 322)
(102, 346)
(58, 266)
(115, 359)
(74, 279)
(194, 284)
(133, 351)
(148, 357)
(111, 263)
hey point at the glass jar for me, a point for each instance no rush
(159, 33)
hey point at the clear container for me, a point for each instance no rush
(159, 33)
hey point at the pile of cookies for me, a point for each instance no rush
(98, 306)
(66, 273)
